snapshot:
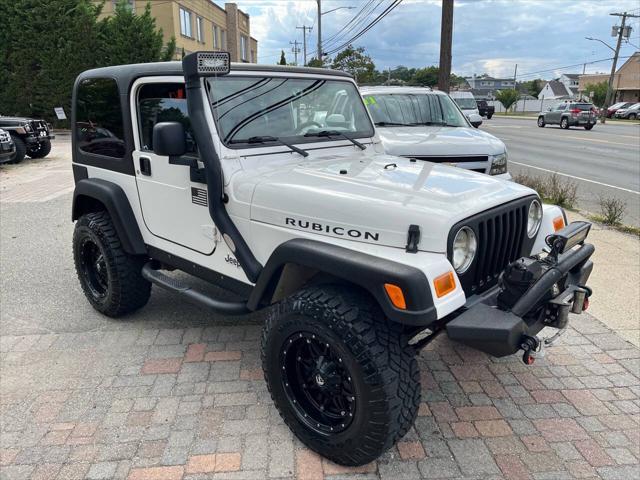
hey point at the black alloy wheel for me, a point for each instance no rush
(317, 383)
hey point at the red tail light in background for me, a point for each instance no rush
(575, 112)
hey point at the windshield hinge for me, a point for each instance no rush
(413, 239)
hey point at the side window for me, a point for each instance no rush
(561, 107)
(98, 127)
(163, 102)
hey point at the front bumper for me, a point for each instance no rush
(35, 139)
(483, 326)
(7, 151)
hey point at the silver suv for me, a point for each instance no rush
(569, 114)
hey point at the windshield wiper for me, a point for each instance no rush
(335, 133)
(392, 124)
(267, 139)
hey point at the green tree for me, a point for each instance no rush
(356, 62)
(314, 62)
(599, 92)
(44, 45)
(531, 87)
(283, 59)
(127, 37)
(507, 97)
(426, 77)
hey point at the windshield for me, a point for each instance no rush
(409, 109)
(466, 103)
(246, 108)
(585, 107)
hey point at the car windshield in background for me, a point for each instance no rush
(414, 110)
(466, 103)
(286, 109)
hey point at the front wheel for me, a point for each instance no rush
(489, 115)
(111, 279)
(588, 127)
(564, 123)
(632, 116)
(341, 375)
(541, 123)
(21, 149)
(41, 150)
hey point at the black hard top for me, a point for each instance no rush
(127, 73)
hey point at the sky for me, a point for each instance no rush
(489, 36)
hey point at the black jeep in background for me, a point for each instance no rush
(31, 137)
(484, 109)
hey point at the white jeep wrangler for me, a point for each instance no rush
(272, 182)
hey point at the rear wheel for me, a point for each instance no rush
(21, 150)
(41, 150)
(564, 123)
(489, 115)
(541, 123)
(341, 375)
(588, 127)
(110, 278)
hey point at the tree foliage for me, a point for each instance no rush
(507, 97)
(283, 59)
(531, 87)
(599, 92)
(356, 62)
(45, 44)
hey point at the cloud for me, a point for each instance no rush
(490, 36)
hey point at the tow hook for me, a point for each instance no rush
(533, 348)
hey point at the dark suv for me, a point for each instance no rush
(485, 109)
(31, 137)
(569, 114)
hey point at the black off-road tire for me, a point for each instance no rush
(373, 350)
(588, 127)
(21, 149)
(564, 123)
(489, 115)
(123, 288)
(541, 122)
(41, 150)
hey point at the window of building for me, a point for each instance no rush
(163, 102)
(223, 39)
(486, 84)
(216, 37)
(253, 56)
(185, 22)
(244, 47)
(99, 127)
(199, 29)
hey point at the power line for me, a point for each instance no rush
(367, 28)
(356, 20)
(567, 66)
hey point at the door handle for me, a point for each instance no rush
(145, 166)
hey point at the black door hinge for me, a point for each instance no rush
(413, 239)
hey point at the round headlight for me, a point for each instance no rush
(535, 218)
(464, 249)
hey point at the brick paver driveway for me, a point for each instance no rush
(174, 392)
(190, 402)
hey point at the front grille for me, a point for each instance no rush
(465, 159)
(39, 125)
(502, 238)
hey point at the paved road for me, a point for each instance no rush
(175, 392)
(603, 162)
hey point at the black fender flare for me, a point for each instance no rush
(364, 270)
(115, 201)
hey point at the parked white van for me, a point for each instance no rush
(427, 125)
(466, 101)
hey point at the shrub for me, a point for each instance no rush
(612, 210)
(552, 189)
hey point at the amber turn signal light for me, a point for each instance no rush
(558, 223)
(396, 296)
(444, 284)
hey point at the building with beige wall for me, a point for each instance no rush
(200, 25)
(626, 81)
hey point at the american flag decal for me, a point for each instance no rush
(199, 196)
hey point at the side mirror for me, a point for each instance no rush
(169, 139)
(475, 119)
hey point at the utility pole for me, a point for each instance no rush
(515, 74)
(304, 29)
(446, 38)
(621, 33)
(295, 50)
(319, 50)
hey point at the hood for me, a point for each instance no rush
(14, 120)
(439, 141)
(376, 198)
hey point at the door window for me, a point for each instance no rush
(163, 102)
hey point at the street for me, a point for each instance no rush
(175, 392)
(604, 162)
